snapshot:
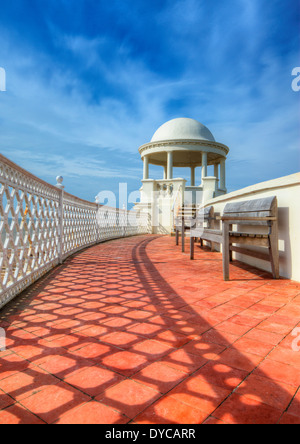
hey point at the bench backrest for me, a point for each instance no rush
(204, 217)
(266, 207)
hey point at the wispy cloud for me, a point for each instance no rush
(82, 98)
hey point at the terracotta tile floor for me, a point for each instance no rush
(132, 331)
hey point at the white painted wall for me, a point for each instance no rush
(287, 190)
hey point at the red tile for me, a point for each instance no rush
(241, 410)
(11, 364)
(289, 419)
(219, 337)
(235, 329)
(279, 372)
(95, 351)
(23, 384)
(129, 397)
(275, 394)
(63, 366)
(139, 315)
(206, 350)
(170, 411)
(152, 350)
(5, 400)
(16, 414)
(94, 331)
(172, 338)
(222, 375)
(263, 336)
(145, 329)
(273, 327)
(294, 408)
(254, 347)
(93, 380)
(92, 413)
(126, 363)
(236, 359)
(54, 401)
(245, 320)
(213, 421)
(200, 394)
(284, 355)
(160, 377)
(183, 361)
(118, 322)
(122, 339)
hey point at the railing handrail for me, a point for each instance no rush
(26, 173)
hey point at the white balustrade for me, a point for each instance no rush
(41, 225)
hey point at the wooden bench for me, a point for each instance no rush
(251, 218)
(183, 223)
(203, 228)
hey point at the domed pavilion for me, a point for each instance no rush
(183, 143)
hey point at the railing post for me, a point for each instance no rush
(97, 222)
(124, 221)
(61, 188)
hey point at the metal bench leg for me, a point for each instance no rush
(274, 255)
(192, 248)
(225, 251)
(182, 235)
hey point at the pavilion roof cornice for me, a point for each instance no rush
(178, 143)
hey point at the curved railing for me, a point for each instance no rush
(41, 225)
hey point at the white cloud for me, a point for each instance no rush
(49, 123)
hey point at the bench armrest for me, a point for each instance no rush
(237, 218)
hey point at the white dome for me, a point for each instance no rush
(183, 128)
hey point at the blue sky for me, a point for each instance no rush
(89, 81)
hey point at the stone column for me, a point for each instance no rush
(193, 182)
(204, 165)
(170, 165)
(216, 170)
(165, 172)
(146, 168)
(223, 174)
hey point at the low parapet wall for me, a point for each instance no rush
(287, 190)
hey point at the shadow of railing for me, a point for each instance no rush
(107, 306)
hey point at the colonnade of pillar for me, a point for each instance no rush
(219, 170)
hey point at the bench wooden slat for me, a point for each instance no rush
(252, 253)
(248, 206)
(252, 235)
(254, 219)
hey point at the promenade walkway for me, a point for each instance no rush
(132, 331)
